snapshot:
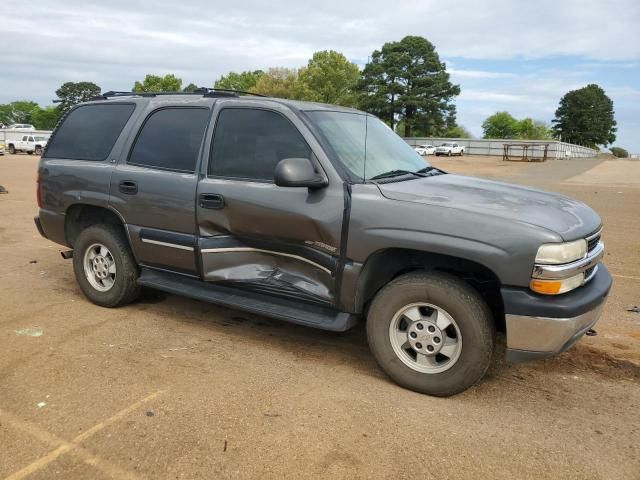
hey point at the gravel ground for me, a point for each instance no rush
(175, 388)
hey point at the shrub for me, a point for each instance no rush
(619, 152)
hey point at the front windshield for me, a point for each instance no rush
(366, 147)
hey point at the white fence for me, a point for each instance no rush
(496, 147)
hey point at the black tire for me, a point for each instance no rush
(38, 151)
(124, 289)
(449, 153)
(461, 152)
(465, 306)
(12, 150)
(29, 153)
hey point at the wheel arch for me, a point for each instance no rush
(79, 216)
(383, 266)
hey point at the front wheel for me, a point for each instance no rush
(104, 266)
(449, 153)
(39, 151)
(431, 332)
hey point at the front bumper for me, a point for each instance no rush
(540, 326)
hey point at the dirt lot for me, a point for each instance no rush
(175, 388)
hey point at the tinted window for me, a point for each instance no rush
(170, 139)
(89, 132)
(249, 144)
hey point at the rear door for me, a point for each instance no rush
(153, 187)
(257, 235)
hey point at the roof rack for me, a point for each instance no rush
(213, 91)
(204, 91)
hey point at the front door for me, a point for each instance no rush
(253, 233)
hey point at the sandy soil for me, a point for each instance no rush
(175, 388)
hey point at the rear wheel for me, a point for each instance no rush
(39, 151)
(12, 150)
(431, 332)
(104, 266)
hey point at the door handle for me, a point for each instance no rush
(213, 201)
(128, 187)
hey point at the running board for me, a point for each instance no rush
(270, 306)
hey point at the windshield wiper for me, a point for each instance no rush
(397, 173)
(423, 172)
(430, 171)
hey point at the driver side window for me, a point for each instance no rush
(249, 143)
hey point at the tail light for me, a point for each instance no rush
(38, 196)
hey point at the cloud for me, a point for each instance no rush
(115, 42)
(478, 74)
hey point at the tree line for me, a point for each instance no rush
(404, 83)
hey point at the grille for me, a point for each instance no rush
(592, 242)
(588, 272)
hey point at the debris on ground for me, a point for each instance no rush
(634, 309)
(29, 332)
(40, 404)
(33, 261)
(3, 190)
(150, 413)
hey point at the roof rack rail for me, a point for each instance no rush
(204, 91)
(213, 91)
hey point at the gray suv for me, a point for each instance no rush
(322, 216)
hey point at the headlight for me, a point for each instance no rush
(559, 253)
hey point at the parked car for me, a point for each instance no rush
(21, 126)
(450, 148)
(1, 147)
(425, 149)
(271, 206)
(29, 144)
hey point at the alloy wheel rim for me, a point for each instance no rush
(99, 267)
(425, 338)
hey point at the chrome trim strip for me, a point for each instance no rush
(165, 244)
(250, 249)
(590, 237)
(558, 272)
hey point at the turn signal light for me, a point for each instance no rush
(546, 287)
(555, 287)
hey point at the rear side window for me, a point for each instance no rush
(170, 139)
(89, 132)
(249, 144)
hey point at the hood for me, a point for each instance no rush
(567, 217)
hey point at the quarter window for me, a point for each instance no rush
(249, 143)
(170, 139)
(89, 132)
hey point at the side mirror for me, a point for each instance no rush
(298, 172)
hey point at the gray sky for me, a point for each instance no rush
(506, 55)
